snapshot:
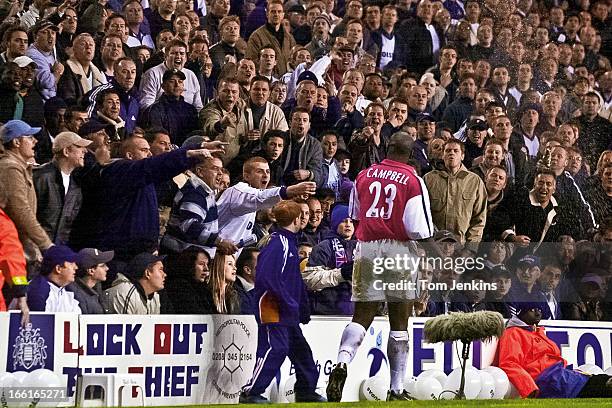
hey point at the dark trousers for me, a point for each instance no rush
(597, 387)
(274, 344)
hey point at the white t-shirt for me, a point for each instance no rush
(65, 181)
(435, 40)
(386, 54)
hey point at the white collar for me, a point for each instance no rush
(535, 202)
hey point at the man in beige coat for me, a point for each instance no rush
(16, 176)
(223, 118)
(458, 197)
(275, 35)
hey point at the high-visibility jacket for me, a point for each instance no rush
(12, 259)
(533, 362)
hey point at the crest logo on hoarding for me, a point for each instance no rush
(29, 349)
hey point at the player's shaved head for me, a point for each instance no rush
(400, 147)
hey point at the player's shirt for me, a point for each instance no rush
(390, 201)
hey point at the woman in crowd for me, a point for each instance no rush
(186, 288)
(220, 295)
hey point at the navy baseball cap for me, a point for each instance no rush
(297, 9)
(42, 25)
(500, 271)
(14, 129)
(421, 117)
(529, 260)
(57, 255)
(173, 73)
(194, 142)
(308, 76)
(529, 106)
(140, 263)
(53, 105)
(92, 126)
(477, 124)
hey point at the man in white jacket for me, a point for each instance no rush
(176, 57)
(238, 204)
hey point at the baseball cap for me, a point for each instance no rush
(42, 25)
(421, 117)
(57, 255)
(171, 73)
(90, 257)
(593, 278)
(24, 61)
(445, 236)
(308, 76)
(66, 139)
(14, 129)
(529, 260)
(500, 271)
(140, 263)
(91, 126)
(55, 104)
(194, 141)
(297, 9)
(477, 124)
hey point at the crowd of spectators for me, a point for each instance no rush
(146, 143)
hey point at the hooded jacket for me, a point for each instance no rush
(126, 297)
(533, 362)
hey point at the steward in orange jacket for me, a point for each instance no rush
(12, 260)
(534, 364)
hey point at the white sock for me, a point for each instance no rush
(352, 336)
(397, 352)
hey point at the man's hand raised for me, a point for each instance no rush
(227, 247)
(207, 153)
(305, 187)
(216, 146)
(229, 119)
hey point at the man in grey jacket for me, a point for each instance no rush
(89, 277)
(304, 156)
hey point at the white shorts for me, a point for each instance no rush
(385, 271)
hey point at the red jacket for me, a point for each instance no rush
(12, 260)
(524, 353)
